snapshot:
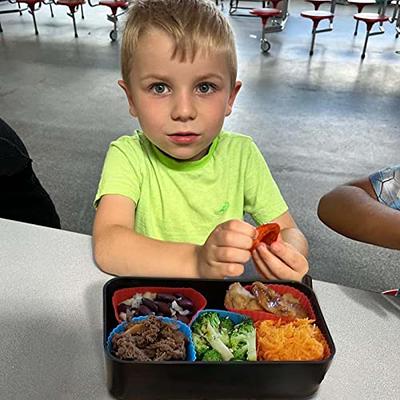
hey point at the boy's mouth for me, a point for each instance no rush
(183, 137)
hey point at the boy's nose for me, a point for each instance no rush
(184, 108)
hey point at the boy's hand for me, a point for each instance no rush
(226, 250)
(280, 260)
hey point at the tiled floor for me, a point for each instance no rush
(319, 121)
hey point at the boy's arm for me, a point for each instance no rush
(352, 210)
(119, 250)
(291, 233)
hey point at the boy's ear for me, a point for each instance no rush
(232, 97)
(125, 87)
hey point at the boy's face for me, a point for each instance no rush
(180, 106)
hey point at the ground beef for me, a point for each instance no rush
(150, 340)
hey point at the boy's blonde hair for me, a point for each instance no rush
(194, 25)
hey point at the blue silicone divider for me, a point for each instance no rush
(190, 352)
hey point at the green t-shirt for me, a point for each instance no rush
(183, 201)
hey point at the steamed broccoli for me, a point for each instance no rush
(218, 339)
(240, 354)
(226, 327)
(201, 345)
(212, 355)
(208, 325)
(243, 341)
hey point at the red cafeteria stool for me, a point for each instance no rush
(114, 6)
(234, 7)
(265, 14)
(73, 6)
(370, 19)
(283, 8)
(360, 4)
(317, 3)
(31, 4)
(274, 3)
(316, 16)
(31, 7)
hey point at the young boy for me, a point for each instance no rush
(366, 209)
(171, 198)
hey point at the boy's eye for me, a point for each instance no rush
(206, 87)
(159, 88)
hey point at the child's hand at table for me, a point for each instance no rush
(226, 250)
(280, 260)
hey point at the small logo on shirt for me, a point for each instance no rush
(222, 210)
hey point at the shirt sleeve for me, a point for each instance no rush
(263, 199)
(121, 172)
(386, 184)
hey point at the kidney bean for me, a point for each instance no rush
(143, 310)
(165, 297)
(122, 308)
(150, 304)
(185, 303)
(163, 308)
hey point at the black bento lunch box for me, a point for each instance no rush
(209, 380)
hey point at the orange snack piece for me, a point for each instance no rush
(298, 340)
(266, 233)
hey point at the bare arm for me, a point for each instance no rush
(292, 234)
(353, 211)
(119, 250)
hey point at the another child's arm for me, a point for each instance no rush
(119, 250)
(352, 210)
(286, 257)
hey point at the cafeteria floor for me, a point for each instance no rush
(319, 121)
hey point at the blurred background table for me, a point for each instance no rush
(51, 324)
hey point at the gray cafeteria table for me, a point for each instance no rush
(51, 324)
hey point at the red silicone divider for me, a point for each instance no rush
(281, 289)
(327, 350)
(121, 295)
